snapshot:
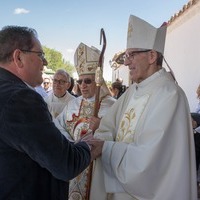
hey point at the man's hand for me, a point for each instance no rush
(95, 144)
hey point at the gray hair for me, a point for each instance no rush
(63, 72)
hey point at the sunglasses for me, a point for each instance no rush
(46, 83)
(86, 81)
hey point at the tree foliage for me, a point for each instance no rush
(56, 61)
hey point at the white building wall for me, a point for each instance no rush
(121, 72)
(182, 51)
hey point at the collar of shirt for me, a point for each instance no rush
(90, 99)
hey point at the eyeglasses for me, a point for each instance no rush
(130, 55)
(46, 83)
(86, 81)
(61, 82)
(39, 53)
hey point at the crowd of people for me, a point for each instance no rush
(129, 144)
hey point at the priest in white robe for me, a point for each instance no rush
(77, 117)
(148, 153)
(59, 97)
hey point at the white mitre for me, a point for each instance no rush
(86, 59)
(143, 35)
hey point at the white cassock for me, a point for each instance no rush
(56, 105)
(73, 123)
(149, 149)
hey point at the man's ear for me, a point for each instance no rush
(153, 55)
(17, 57)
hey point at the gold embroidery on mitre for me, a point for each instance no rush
(81, 60)
(87, 60)
(130, 30)
(130, 119)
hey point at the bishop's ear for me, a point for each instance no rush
(153, 55)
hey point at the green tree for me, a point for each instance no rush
(56, 61)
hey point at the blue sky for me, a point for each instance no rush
(63, 24)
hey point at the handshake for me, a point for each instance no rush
(95, 145)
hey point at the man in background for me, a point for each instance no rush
(47, 85)
(59, 97)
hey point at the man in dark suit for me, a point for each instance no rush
(36, 160)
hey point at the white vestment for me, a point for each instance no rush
(149, 149)
(73, 123)
(56, 105)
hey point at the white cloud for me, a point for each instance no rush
(19, 11)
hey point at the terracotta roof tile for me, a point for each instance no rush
(184, 8)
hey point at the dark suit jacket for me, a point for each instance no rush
(36, 160)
